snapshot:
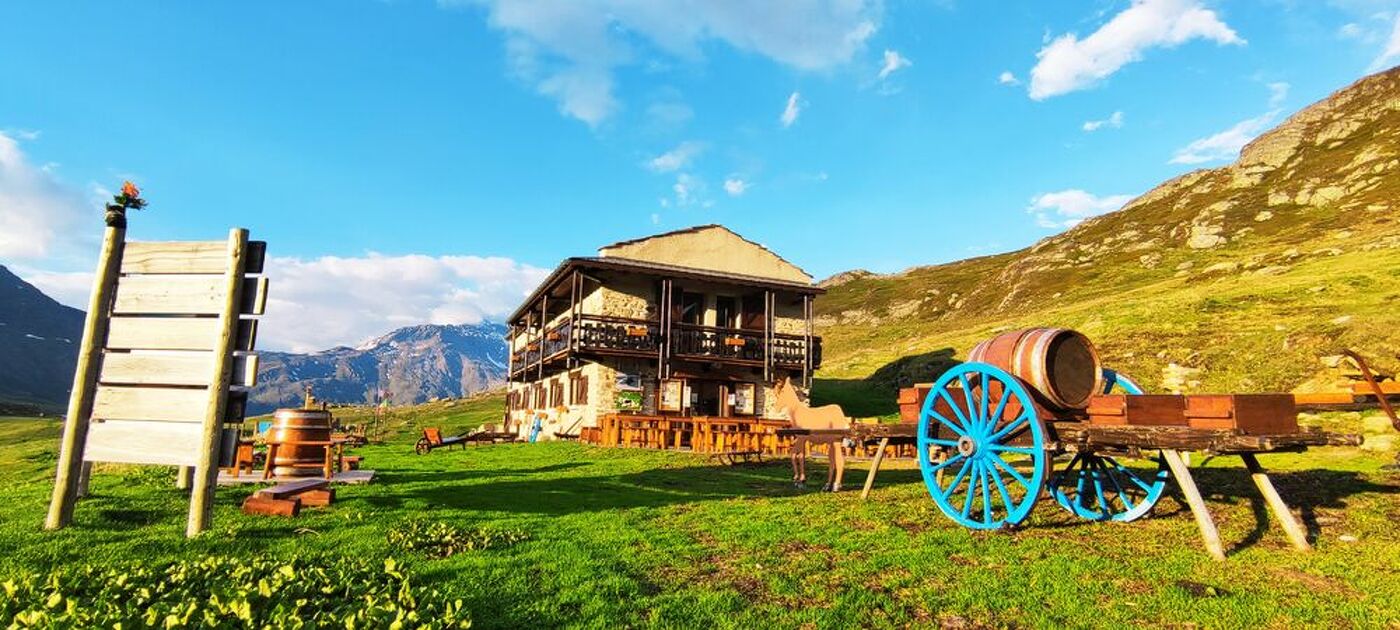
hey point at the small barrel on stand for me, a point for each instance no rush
(300, 425)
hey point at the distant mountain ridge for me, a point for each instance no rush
(38, 346)
(411, 364)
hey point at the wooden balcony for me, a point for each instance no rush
(596, 335)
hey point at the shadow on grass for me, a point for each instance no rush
(513, 491)
(876, 395)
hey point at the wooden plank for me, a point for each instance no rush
(293, 488)
(1209, 534)
(262, 506)
(1324, 398)
(257, 253)
(1365, 389)
(140, 442)
(170, 257)
(175, 295)
(254, 296)
(167, 404)
(1296, 534)
(186, 368)
(163, 333)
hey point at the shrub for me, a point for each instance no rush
(439, 540)
(225, 592)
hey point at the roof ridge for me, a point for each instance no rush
(697, 228)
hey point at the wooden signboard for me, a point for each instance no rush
(165, 362)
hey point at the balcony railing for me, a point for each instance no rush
(598, 334)
(711, 342)
(619, 335)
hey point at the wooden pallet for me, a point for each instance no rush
(288, 498)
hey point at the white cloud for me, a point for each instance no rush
(1225, 145)
(324, 302)
(570, 50)
(1278, 93)
(1391, 53)
(1006, 78)
(1114, 121)
(687, 189)
(1067, 208)
(1351, 30)
(72, 288)
(1068, 63)
(792, 110)
(677, 158)
(37, 211)
(893, 62)
(735, 186)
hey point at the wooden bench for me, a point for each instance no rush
(287, 499)
(350, 462)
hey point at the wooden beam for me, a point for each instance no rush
(874, 467)
(169, 295)
(1209, 534)
(144, 442)
(163, 333)
(207, 465)
(167, 404)
(175, 257)
(188, 368)
(80, 400)
(1296, 534)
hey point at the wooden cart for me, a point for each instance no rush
(987, 451)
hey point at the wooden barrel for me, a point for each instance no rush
(302, 425)
(1058, 363)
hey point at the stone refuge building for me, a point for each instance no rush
(695, 322)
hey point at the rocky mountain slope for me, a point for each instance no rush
(38, 346)
(413, 364)
(1236, 278)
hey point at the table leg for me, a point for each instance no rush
(267, 462)
(1209, 534)
(874, 466)
(1296, 534)
(330, 457)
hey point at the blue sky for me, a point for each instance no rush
(418, 161)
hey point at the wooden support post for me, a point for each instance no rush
(84, 479)
(75, 426)
(1296, 534)
(1209, 534)
(874, 467)
(184, 476)
(206, 473)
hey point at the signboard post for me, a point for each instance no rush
(164, 343)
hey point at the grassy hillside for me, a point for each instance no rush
(1241, 276)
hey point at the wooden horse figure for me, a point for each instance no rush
(824, 418)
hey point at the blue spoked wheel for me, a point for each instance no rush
(1097, 487)
(983, 422)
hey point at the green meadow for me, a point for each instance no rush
(566, 535)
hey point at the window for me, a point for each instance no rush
(578, 389)
(692, 308)
(726, 312)
(556, 393)
(539, 396)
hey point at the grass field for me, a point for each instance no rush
(641, 538)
